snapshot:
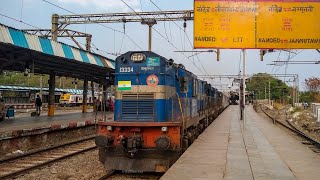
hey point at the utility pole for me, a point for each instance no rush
(265, 92)
(54, 29)
(244, 86)
(269, 94)
(150, 23)
(293, 92)
(297, 89)
(40, 94)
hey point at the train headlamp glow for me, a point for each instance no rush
(138, 57)
(164, 129)
(109, 128)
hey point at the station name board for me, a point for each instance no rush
(257, 24)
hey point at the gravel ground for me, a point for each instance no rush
(302, 119)
(80, 167)
(307, 123)
(83, 166)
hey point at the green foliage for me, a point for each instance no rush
(14, 78)
(310, 97)
(32, 80)
(313, 94)
(260, 82)
(306, 97)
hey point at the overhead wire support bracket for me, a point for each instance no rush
(46, 33)
(61, 33)
(198, 52)
(182, 15)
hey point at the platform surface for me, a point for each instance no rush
(256, 149)
(19, 123)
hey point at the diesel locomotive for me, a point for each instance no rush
(160, 109)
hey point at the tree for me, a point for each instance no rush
(313, 86)
(259, 83)
(33, 80)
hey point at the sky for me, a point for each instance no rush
(38, 14)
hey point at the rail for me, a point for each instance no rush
(14, 166)
(291, 128)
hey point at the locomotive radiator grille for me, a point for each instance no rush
(137, 107)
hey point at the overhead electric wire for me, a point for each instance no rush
(101, 50)
(178, 49)
(20, 21)
(141, 5)
(121, 43)
(97, 23)
(21, 10)
(297, 63)
(181, 39)
(277, 59)
(165, 29)
(289, 58)
(162, 36)
(186, 35)
(170, 31)
(58, 6)
(202, 65)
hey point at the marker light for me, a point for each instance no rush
(138, 57)
(109, 128)
(164, 129)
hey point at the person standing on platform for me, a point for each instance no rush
(94, 104)
(2, 109)
(38, 105)
(97, 104)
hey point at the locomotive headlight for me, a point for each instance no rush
(138, 57)
(109, 128)
(164, 129)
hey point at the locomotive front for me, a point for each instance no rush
(143, 136)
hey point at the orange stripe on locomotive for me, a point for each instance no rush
(150, 133)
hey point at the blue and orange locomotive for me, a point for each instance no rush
(160, 109)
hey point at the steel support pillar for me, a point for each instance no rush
(150, 38)
(85, 95)
(88, 43)
(150, 23)
(104, 92)
(54, 28)
(93, 99)
(52, 86)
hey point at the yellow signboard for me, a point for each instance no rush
(257, 24)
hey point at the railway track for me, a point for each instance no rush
(14, 166)
(288, 125)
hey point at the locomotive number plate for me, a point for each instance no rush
(126, 69)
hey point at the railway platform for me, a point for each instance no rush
(253, 149)
(20, 126)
